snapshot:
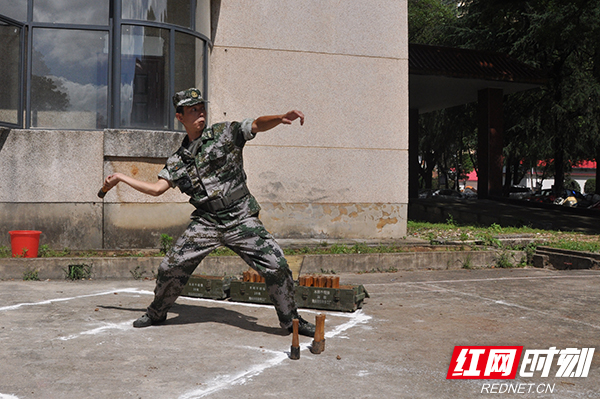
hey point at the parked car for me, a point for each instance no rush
(446, 192)
(519, 192)
(544, 196)
(469, 192)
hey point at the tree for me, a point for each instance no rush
(430, 20)
(447, 141)
(560, 38)
(446, 137)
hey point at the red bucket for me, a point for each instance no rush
(24, 243)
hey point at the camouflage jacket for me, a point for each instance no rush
(213, 168)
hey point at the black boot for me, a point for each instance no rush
(304, 328)
(146, 321)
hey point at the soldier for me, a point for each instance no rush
(209, 168)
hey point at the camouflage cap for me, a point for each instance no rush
(187, 98)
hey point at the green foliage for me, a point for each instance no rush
(78, 272)
(359, 248)
(574, 245)
(468, 263)
(429, 20)
(137, 273)
(571, 184)
(31, 275)
(590, 186)
(560, 122)
(529, 253)
(45, 251)
(5, 252)
(503, 260)
(166, 243)
(448, 142)
(223, 251)
(450, 220)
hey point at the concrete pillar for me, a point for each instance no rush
(490, 142)
(413, 153)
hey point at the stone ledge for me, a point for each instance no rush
(145, 267)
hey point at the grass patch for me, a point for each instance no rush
(78, 272)
(574, 245)
(490, 235)
(31, 275)
(166, 243)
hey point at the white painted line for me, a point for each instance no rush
(128, 325)
(226, 381)
(514, 305)
(49, 301)
(5, 396)
(482, 279)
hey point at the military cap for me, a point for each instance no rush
(187, 98)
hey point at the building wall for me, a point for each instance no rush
(345, 65)
(344, 174)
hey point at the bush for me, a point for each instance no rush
(166, 242)
(571, 184)
(589, 186)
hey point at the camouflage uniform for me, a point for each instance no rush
(210, 170)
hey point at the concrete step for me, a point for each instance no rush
(145, 267)
(565, 259)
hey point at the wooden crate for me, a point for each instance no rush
(211, 287)
(346, 298)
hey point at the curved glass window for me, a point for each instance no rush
(10, 48)
(16, 10)
(76, 64)
(69, 79)
(80, 12)
(189, 58)
(144, 77)
(177, 12)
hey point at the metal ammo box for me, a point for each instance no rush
(246, 291)
(212, 287)
(346, 298)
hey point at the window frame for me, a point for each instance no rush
(114, 29)
(21, 61)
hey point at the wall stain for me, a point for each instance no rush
(385, 221)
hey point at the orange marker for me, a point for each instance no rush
(295, 349)
(318, 344)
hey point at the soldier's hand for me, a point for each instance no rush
(112, 181)
(292, 116)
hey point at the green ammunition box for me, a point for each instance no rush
(245, 291)
(212, 287)
(347, 298)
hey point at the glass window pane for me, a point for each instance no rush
(9, 72)
(203, 17)
(69, 79)
(175, 12)
(189, 65)
(82, 12)
(14, 9)
(144, 77)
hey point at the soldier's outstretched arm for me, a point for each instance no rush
(154, 189)
(268, 122)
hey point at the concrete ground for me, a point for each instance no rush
(62, 339)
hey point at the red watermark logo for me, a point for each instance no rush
(502, 362)
(484, 362)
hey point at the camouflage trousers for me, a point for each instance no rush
(249, 239)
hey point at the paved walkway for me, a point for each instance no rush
(62, 339)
